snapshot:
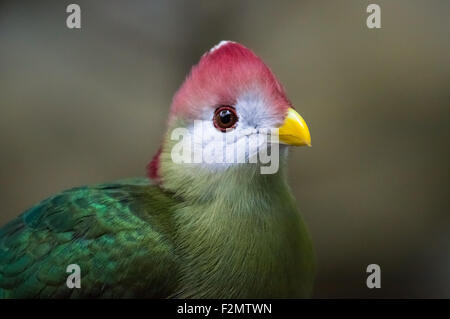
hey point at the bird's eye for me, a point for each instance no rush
(225, 117)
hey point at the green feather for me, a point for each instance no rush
(239, 232)
(230, 233)
(119, 234)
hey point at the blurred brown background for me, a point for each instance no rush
(87, 106)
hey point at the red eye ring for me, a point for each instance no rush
(225, 118)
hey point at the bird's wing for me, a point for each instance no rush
(118, 234)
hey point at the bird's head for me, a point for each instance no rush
(227, 106)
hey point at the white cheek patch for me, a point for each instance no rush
(254, 111)
(254, 140)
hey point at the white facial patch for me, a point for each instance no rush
(253, 140)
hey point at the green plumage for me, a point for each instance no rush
(213, 238)
(119, 234)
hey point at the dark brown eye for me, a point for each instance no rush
(225, 117)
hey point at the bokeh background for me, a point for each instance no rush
(87, 106)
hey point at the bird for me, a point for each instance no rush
(185, 229)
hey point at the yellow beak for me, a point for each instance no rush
(294, 130)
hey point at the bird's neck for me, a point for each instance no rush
(232, 223)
